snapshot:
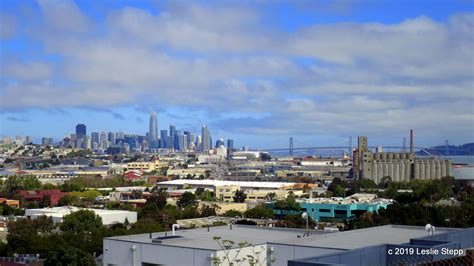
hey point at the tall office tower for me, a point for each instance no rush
(111, 138)
(45, 141)
(230, 144)
(103, 142)
(153, 131)
(182, 143)
(95, 137)
(81, 131)
(172, 131)
(176, 139)
(28, 140)
(119, 135)
(187, 136)
(51, 141)
(220, 142)
(163, 138)
(199, 142)
(205, 138)
(87, 142)
(191, 141)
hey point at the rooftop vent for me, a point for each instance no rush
(163, 238)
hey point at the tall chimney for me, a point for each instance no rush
(411, 145)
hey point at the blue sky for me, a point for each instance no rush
(255, 71)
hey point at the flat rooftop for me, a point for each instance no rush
(200, 238)
(388, 234)
(210, 182)
(64, 210)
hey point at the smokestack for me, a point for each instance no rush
(411, 144)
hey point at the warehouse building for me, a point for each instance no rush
(320, 209)
(281, 246)
(109, 217)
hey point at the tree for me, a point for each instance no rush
(259, 212)
(337, 189)
(187, 199)
(232, 213)
(158, 197)
(80, 221)
(67, 200)
(271, 196)
(45, 201)
(136, 194)
(209, 210)
(239, 196)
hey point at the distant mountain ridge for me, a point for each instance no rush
(450, 150)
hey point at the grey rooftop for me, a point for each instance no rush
(387, 234)
(200, 238)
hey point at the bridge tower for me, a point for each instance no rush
(291, 146)
(446, 144)
(350, 146)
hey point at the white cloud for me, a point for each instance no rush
(365, 76)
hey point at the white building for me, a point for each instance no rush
(109, 217)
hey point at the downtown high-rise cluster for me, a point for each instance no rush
(118, 142)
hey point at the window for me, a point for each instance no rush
(324, 210)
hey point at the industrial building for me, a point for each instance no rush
(399, 166)
(225, 190)
(280, 246)
(109, 217)
(320, 209)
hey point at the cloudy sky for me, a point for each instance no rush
(255, 71)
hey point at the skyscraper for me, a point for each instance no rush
(230, 144)
(163, 138)
(219, 142)
(173, 137)
(206, 141)
(103, 140)
(153, 131)
(81, 131)
(94, 138)
(111, 137)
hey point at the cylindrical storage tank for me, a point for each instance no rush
(443, 168)
(389, 156)
(448, 167)
(408, 168)
(379, 171)
(396, 156)
(390, 170)
(396, 171)
(427, 170)
(383, 156)
(416, 170)
(377, 156)
(438, 169)
(422, 170)
(403, 156)
(372, 173)
(385, 169)
(402, 171)
(433, 169)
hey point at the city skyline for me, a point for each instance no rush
(256, 73)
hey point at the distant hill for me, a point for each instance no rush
(465, 149)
